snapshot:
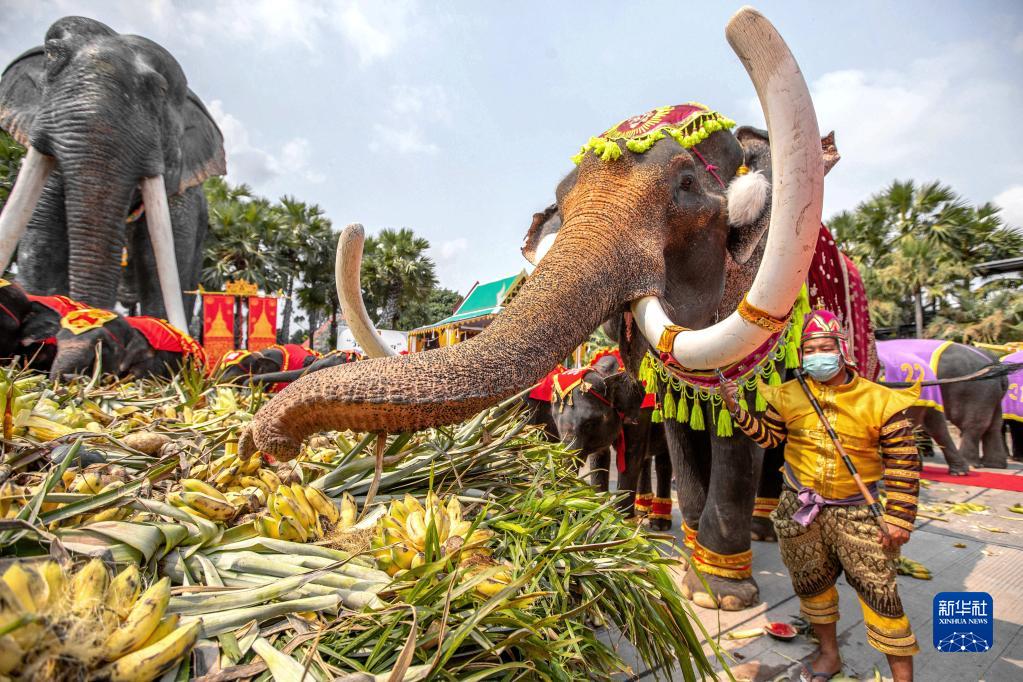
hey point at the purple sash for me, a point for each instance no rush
(811, 503)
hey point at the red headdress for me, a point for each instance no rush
(823, 324)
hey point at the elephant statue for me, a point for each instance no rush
(975, 407)
(642, 233)
(113, 136)
(140, 347)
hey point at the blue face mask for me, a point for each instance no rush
(822, 366)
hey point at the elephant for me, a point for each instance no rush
(14, 307)
(141, 347)
(275, 358)
(646, 224)
(975, 407)
(311, 363)
(604, 408)
(113, 135)
(29, 324)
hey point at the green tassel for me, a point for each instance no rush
(643, 144)
(657, 417)
(669, 404)
(682, 409)
(607, 150)
(774, 379)
(724, 423)
(696, 416)
(743, 405)
(761, 402)
(791, 355)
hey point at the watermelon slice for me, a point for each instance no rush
(782, 631)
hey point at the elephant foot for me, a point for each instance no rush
(727, 594)
(958, 470)
(659, 524)
(994, 463)
(762, 529)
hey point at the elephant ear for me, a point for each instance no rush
(625, 394)
(546, 222)
(21, 93)
(202, 145)
(136, 351)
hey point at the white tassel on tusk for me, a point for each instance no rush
(161, 234)
(35, 170)
(347, 271)
(797, 172)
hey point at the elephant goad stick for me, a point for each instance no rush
(874, 505)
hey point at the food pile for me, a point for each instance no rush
(135, 542)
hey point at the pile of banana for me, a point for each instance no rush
(967, 507)
(94, 479)
(62, 627)
(302, 513)
(402, 533)
(912, 568)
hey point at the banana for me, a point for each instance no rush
(285, 509)
(164, 628)
(88, 587)
(153, 661)
(291, 529)
(142, 620)
(200, 471)
(267, 527)
(272, 480)
(323, 505)
(256, 482)
(225, 477)
(11, 654)
(196, 486)
(303, 504)
(251, 465)
(211, 507)
(349, 511)
(20, 581)
(124, 590)
(415, 528)
(454, 510)
(53, 575)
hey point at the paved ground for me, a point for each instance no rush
(972, 552)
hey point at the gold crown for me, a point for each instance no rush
(240, 287)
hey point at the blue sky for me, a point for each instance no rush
(457, 119)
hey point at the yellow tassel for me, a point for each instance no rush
(724, 423)
(657, 417)
(669, 404)
(696, 415)
(761, 402)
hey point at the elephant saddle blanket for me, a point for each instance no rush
(294, 355)
(233, 357)
(1012, 401)
(62, 305)
(162, 335)
(544, 390)
(914, 360)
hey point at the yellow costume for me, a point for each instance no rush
(824, 527)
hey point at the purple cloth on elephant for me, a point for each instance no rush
(912, 360)
(1012, 401)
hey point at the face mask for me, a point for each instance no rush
(822, 366)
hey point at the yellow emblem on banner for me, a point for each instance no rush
(81, 321)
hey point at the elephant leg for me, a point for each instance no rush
(599, 461)
(969, 443)
(637, 469)
(43, 250)
(657, 450)
(768, 492)
(690, 458)
(994, 452)
(935, 426)
(722, 551)
(1016, 434)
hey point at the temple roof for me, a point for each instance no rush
(483, 300)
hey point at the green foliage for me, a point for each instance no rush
(440, 304)
(11, 154)
(397, 275)
(917, 247)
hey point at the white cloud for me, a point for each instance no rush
(249, 163)
(1017, 44)
(370, 42)
(1011, 203)
(453, 247)
(412, 110)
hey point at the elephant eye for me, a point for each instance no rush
(686, 183)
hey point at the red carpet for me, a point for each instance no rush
(981, 479)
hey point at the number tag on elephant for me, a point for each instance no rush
(81, 321)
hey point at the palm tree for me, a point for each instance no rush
(396, 273)
(11, 154)
(297, 220)
(917, 247)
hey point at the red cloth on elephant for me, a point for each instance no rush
(834, 284)
(162, 335)
(62, 305)
(544, 390)
(294, 357)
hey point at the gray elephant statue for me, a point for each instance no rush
(312, 363)
(140, 347)
(647, 225)
(975, 407)
(113, 136)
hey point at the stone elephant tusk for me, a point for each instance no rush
(161, 234)
(347, 270)
(35, 170)
(797, 168)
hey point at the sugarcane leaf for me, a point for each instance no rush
(283, 667)
(144, 538)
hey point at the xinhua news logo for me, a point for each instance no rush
(964, 622)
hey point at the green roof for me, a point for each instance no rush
(488, 298)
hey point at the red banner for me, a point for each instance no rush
(262, 322)
(217, 326)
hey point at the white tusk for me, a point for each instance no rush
(544, 246)
(797, 168)
(161, 234)
(35, 169)
(347, 269)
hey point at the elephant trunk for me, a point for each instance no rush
(576, 287)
